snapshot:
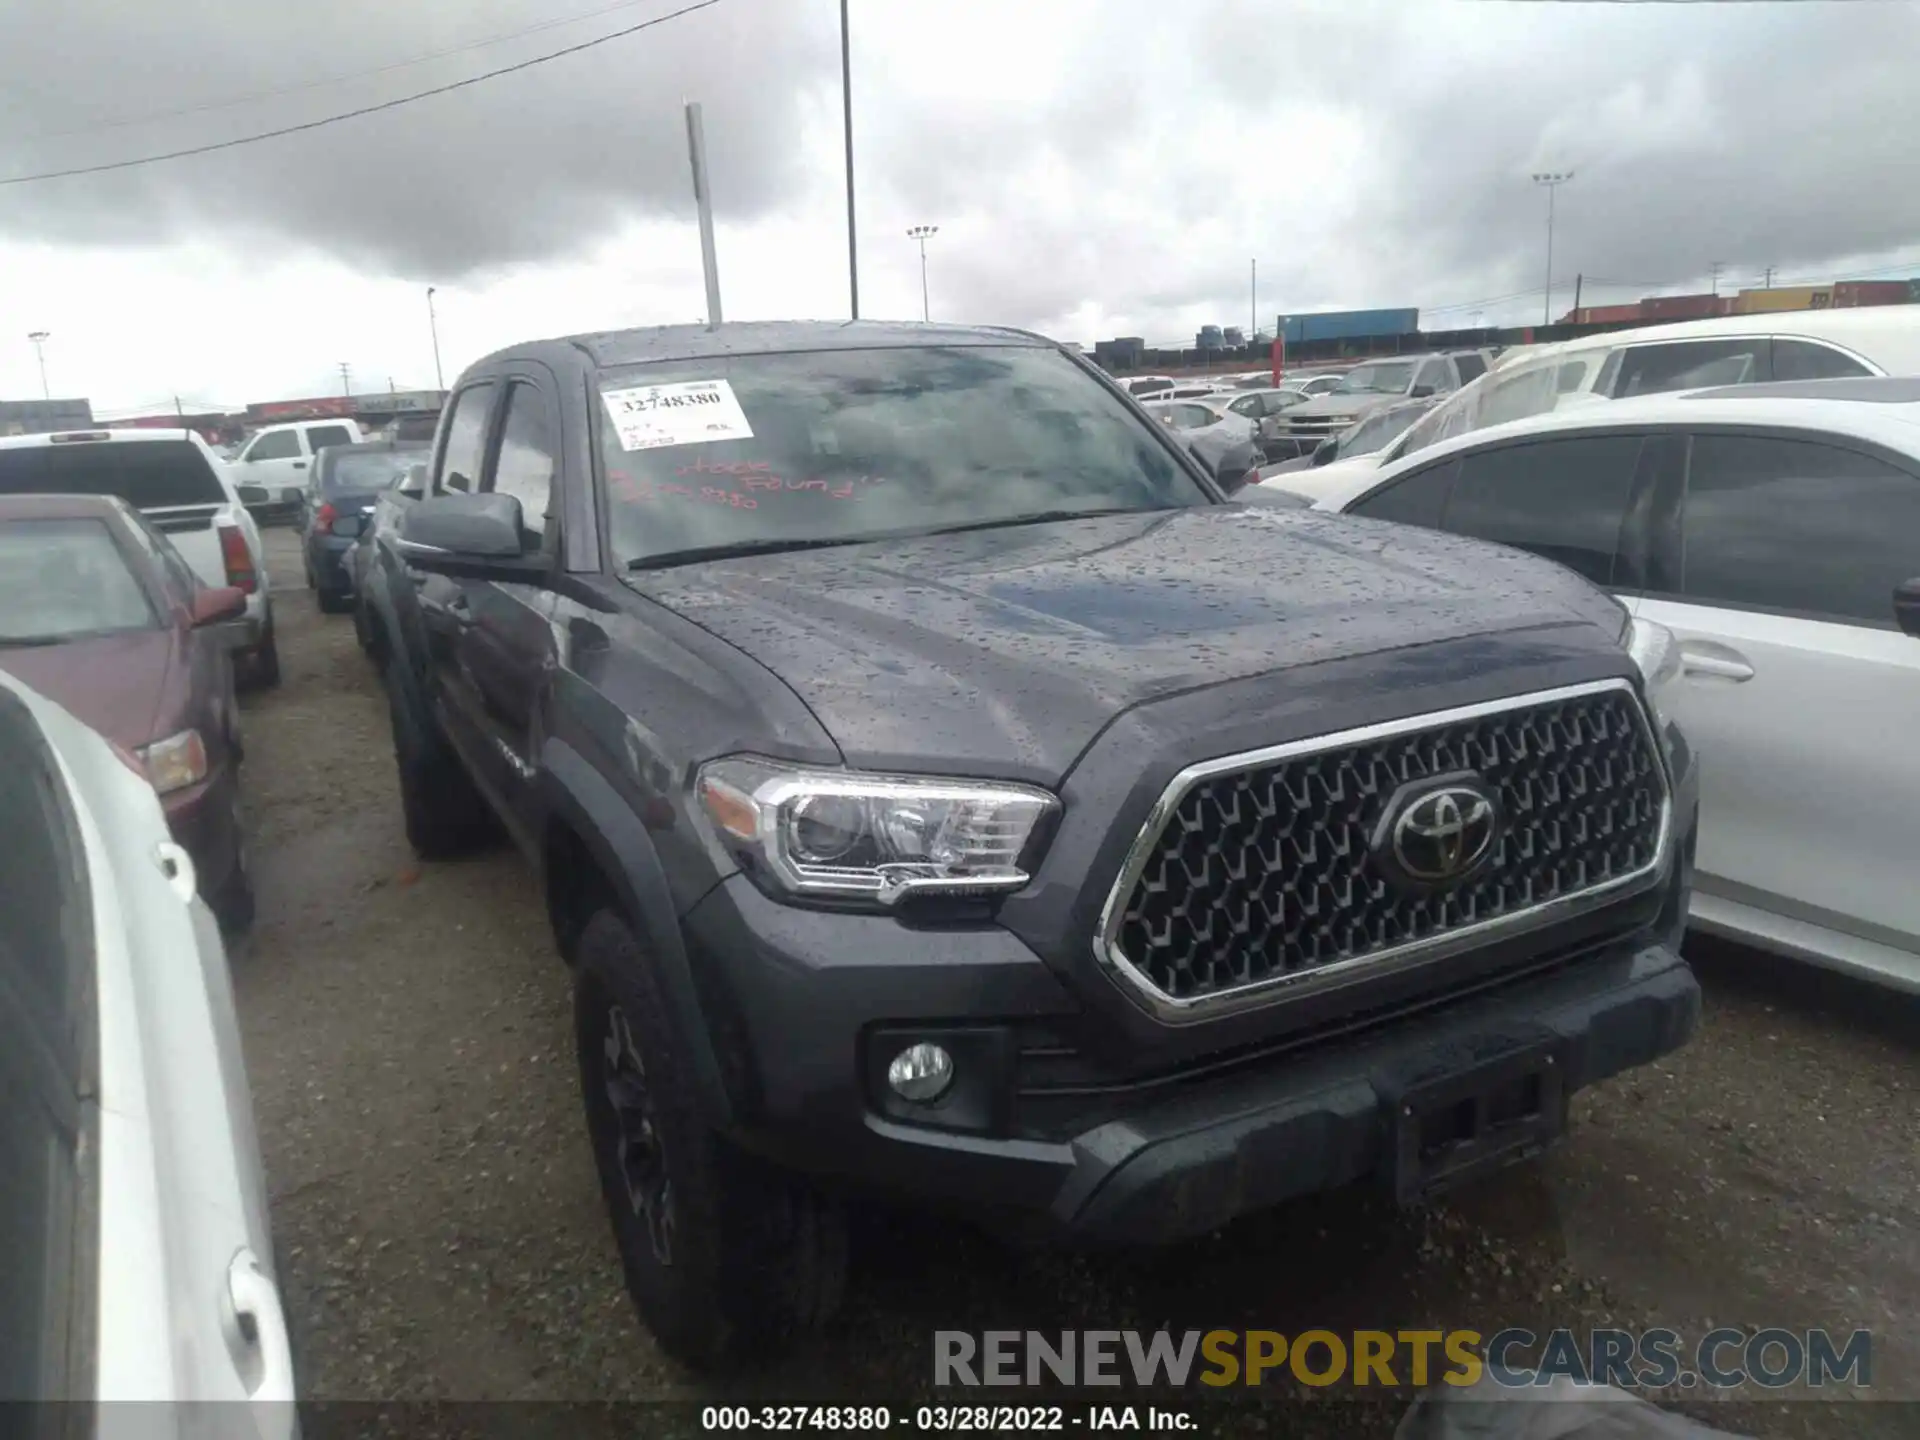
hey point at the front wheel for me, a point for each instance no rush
(725, 1258)
(263, 665)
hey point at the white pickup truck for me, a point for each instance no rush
(185, 492)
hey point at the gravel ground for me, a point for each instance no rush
(442, 1237)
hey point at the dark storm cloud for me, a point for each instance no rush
(525, 167)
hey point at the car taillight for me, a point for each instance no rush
(324, 517)
(233, 553)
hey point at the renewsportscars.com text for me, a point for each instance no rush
(1721, 1359)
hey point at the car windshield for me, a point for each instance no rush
(1369, 435)
(350, 471)
(831, 446)
(1390, 379)
(64, 580)
(147, 474)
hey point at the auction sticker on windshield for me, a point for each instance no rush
(691, 412)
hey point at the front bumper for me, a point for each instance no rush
(807, 1007)
(205, 822)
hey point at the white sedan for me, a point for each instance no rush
(1775, 530)
(135, 1258)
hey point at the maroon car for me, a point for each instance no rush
(99, 613)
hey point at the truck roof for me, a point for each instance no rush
(610, 348)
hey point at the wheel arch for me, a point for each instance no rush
(594, 851)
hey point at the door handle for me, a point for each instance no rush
(299, 464)
(262, 1330)
(1719, 661)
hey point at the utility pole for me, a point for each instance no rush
(703, 202)
(346, 380)
(1253, 299)
(846, 103)
(1768, 283)
(921, 233)
(180, 410)
(1553, 180)
(39, 339)
(1713, 271)
(433, 329)
(1578, 281)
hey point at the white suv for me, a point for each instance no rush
(1775, 531)
(185, 491)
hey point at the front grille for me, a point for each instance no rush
(1260, 871)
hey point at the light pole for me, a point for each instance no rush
(39, 339)
(1553, 180)
(1253, 299)
(433, 329)
(846, 104)
(922, 233)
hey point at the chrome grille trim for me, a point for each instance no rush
(1360, 968)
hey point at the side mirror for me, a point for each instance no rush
(413, 485)
(216, 605)
(1324, 452)
(474, 537)
(1906, 606)
(1420, 392)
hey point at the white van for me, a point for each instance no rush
(1656, 359)
(277, 458)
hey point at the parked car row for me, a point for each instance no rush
(791, 654)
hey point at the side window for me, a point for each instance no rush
(320, 436)
(1800, 526)
(1687, 365)
(1436, 374)
(1472, 367)
(1416, 499)
(1570, 377)
(274, 445)
(1810, 360)
(524, 467)
(1563, 499)
(1247, 405)
(466, 440)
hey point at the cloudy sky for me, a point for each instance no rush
(1096, 167)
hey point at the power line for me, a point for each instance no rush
(355, 114)
(227, 104)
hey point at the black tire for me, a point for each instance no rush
(446, 816)
(262, 668)
(332, 602)
(232, 904)
(726, 1258)
(362, 633)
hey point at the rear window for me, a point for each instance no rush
(64, 580)
(320, 436)
(364, 470)
(147, 474)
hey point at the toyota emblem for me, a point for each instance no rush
(1439, 832)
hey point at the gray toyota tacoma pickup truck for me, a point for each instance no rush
(943, 791)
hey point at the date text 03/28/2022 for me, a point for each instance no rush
(994, 1419)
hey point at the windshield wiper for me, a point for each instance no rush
(739, 548)
(770, 547)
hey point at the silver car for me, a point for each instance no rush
(137, 1263)
(1223, 441)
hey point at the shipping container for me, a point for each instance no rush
(1347, 325)
(1913, 292)
(1680, 307)
(1607, 315)
(1849, 293)
(1787, 297)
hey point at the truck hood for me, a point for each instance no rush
(114, 684)
(1336, 407)
(1006, 651)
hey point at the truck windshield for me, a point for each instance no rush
(828, 447)
(1376, 380)
(147, 474)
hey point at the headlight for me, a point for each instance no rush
(877, 837)
(175, 762)
(1656, 654)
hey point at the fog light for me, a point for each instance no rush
(921, 1072)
